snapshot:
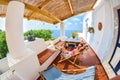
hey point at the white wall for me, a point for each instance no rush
(115, 2)
(14, 30)
(102, 39)
(3, 65)
(28, 68)
(37, 46)
(87, 23)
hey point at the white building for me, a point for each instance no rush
(105, 41)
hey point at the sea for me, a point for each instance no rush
(68, 33)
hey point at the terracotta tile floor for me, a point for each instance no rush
(87, 59)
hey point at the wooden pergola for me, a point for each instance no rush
(51, 11)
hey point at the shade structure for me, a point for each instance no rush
(51, 11)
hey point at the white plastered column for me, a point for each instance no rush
(62, 28)
(14, 30)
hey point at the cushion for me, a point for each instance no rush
(55, 74)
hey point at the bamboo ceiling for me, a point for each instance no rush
(51, 11)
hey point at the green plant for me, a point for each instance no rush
(3, 45)
(74, 34)
(45, 34)
(91, 29)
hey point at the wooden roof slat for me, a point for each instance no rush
(51, 11)
(43, 3)
(40, 17)
(39, 6)
(42, 20)
(70, 5)
(43, 12)
(35, 9)
(4, 2)
(30, 16)
(79, 13)
(94, 4)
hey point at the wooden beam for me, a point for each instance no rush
(70, 5)
(73, 70)
(31, 14)
(4, 2)
(94, 4)
(48, 21)
(43, 12)
(2, 15)
(39, 6)
(33, 8)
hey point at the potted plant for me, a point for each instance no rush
(91, 29)
(90, 34)
(74, 34)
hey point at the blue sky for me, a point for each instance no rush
(74, 23)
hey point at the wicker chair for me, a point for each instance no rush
(68, 57)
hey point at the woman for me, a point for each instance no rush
(67, 53)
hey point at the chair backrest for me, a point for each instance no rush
(54, 74)
(83, 48)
